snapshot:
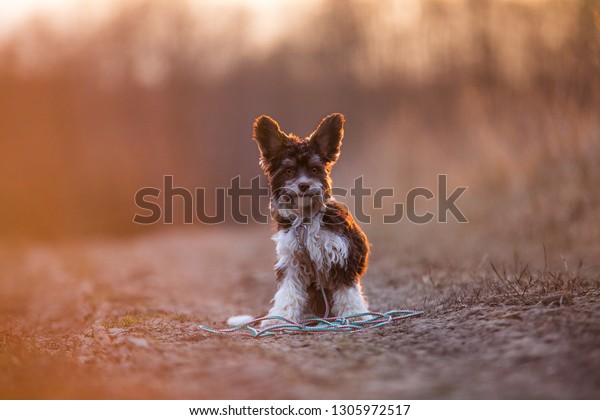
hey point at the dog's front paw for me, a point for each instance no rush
(271, 322)
(361, 318)
(282, 319)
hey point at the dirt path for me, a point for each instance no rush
(118, 319)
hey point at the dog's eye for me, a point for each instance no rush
(289, 171)
(315, 170)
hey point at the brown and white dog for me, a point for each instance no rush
(298, 172)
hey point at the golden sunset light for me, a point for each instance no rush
(306, 201)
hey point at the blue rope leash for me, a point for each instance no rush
(351, 323)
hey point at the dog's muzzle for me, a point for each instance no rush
(292, 200)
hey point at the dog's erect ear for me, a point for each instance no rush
(328, 137)
(268, 136)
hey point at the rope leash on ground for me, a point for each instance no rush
(350, 323)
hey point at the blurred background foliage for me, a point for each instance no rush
(503, 96)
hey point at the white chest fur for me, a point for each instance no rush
(325, 247)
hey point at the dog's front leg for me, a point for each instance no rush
(290, 300)
(349, 301)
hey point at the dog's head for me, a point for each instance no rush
(298, 170)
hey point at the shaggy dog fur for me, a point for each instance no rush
(298, 172)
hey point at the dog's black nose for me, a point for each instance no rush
(303, 187)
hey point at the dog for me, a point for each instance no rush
(318, 243)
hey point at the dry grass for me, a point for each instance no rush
(521, 288)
